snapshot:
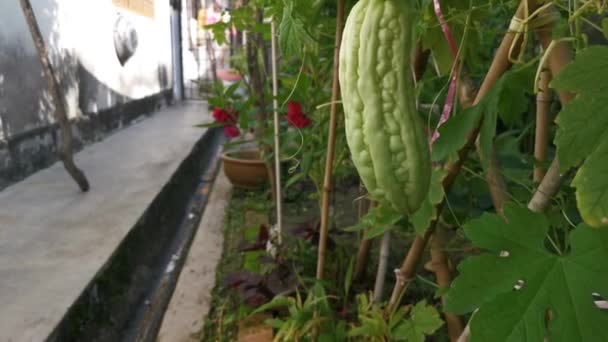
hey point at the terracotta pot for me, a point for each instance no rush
(245, 169)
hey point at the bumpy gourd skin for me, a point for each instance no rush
(384, 132)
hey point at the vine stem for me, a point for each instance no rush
(499, 65)
(329, 160)
(65, 147)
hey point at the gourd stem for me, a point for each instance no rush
(329, 160)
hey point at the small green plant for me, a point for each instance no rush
(305, 317)
(373, 326)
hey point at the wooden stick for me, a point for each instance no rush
(559, 57)
(440, 266)
(65, 147)
(364, 247)
(382, 266)
(329, 161)
(541, 138)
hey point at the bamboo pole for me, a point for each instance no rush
(65, 146)
(440, 266)
(277, 147)
(499, 65)
(541, 138)
(558, 58)
(364, 247)
(329, 161)
(382, 266)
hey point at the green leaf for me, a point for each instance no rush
(581, 135)
(382, 218)
(292, 34)
(348, 277)
(294, 179)
(591, 186)
(605, 27)
(424, 321)
(231, 90)
(507, 100)
(517, 280)
(276, 302)
(454, 133)
(376, 231)
(422, 218)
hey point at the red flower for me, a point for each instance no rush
(294, 108)
(221, 115)
(295, 116)
(231, 131)
(298, 120)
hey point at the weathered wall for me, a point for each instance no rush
(101, 92)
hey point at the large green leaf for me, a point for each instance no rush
(517, 280)
(582, 134)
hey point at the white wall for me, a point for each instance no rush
(80, 35)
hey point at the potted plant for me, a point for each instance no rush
(245, 161)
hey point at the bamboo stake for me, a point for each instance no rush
(440, 266)
(277, 146)
(327, 180)
(541, 138)
(382, 266)
(65, 147)
(558, 58)
(364, 247)
(499, 65)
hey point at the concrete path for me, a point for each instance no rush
(189, 305)
(54, 239)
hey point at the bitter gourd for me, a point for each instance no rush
(384, 132)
